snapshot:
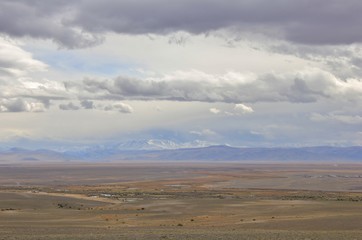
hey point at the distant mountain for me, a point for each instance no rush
(127, 149)
(226, 153)
(23, 155)
(159, 144)
(164, 151)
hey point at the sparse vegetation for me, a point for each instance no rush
(136, 209)
(9, 209)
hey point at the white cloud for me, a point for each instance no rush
(214, 110)
(37, 107)
(120, 107)
(123, 108)
(242, 109)
(16, 62)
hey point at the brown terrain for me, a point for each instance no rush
(181, 201)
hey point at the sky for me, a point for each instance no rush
(247, 73)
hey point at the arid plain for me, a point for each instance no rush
(176, 200)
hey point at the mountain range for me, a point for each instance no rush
(155, 150)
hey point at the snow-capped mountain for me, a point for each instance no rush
(160, 144)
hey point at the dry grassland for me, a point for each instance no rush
(181, 201)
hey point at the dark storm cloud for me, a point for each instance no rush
(81, 23)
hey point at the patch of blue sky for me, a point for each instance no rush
(73, 62)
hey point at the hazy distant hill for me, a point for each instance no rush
(212, 153)
(225, 153)
(23, 155)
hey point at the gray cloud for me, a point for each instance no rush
(20, 105)
(309, 85)
(306, 21)
(82, 23)
(86, 104)
(342, 61)
(69, 106)
(332, 117)
(16, 105)
(45, 20)
(179, 38)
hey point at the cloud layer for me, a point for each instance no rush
(15, 62)
(79, 23)
(309, 85)
(234, 71)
